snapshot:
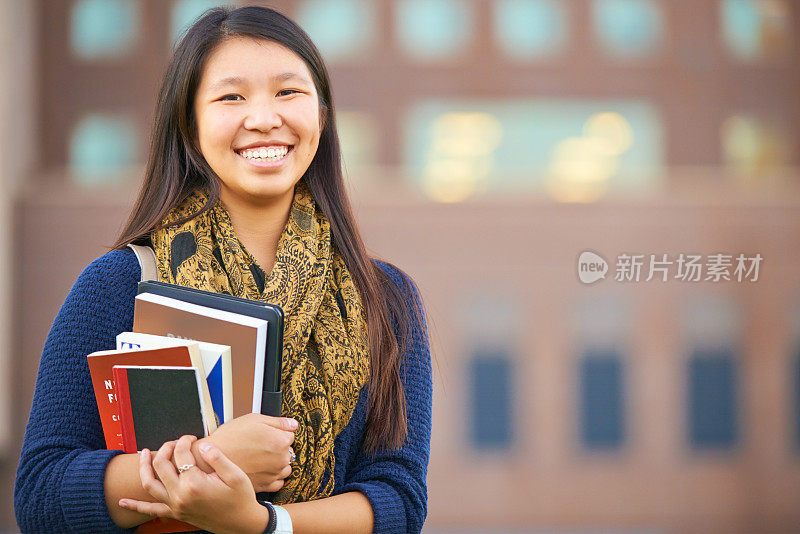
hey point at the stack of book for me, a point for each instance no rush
(157, 408)
(194, 360)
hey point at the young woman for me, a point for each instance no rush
(244, 194)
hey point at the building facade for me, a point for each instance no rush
(488, 144)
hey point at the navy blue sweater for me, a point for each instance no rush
(59, 485)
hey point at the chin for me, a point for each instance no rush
(255, 195)
(269, 194)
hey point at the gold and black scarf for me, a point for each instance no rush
(325, 345)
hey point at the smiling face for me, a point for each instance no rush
(258, 123)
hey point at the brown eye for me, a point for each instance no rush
(230, 98)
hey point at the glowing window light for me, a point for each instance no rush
(624, 136)
(358, 135)
(461, 155)
(433, 29)
(530, 28)
(101, 145)
(628, 28)
(341, 29)
(750, 145)
(185, 12)
(756, 29)
(582, 166)
(103, 28)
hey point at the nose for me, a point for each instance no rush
(262, 117)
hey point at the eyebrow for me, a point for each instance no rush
(238, 80)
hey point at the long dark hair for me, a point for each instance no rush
(176, 168)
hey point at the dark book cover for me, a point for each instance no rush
(158, 404)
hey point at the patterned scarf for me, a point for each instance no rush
(325, 348)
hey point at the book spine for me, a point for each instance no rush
(105, 395)
(125, 411)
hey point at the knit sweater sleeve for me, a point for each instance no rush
(60, 478)
(394, 481)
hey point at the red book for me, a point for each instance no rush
(101, 370)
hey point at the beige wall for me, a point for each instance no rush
(17, 109)
(655, 482)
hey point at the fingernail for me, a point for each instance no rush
(293, 424)
(205, 447)
(123, 504)
(145, 451)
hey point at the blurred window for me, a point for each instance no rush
(358, 135)
(713, 399)
(101, 145)
(628, 28)
(530, 28)
(185, 12)
(602, 400)
(434, 29)
(756, 29)
(102, 29)
(573, 150)
(750, 145)
(601, 324)
(341, 29)
(491, 400)
(712, 330)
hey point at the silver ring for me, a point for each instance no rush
(293, 456)
(182, 468)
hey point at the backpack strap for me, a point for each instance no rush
(147, 261)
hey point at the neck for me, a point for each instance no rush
(259, 227)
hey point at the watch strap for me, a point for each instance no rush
(273, 517)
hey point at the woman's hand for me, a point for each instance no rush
(259, 444)
(222, 501)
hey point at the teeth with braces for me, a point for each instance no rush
(264, 153)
